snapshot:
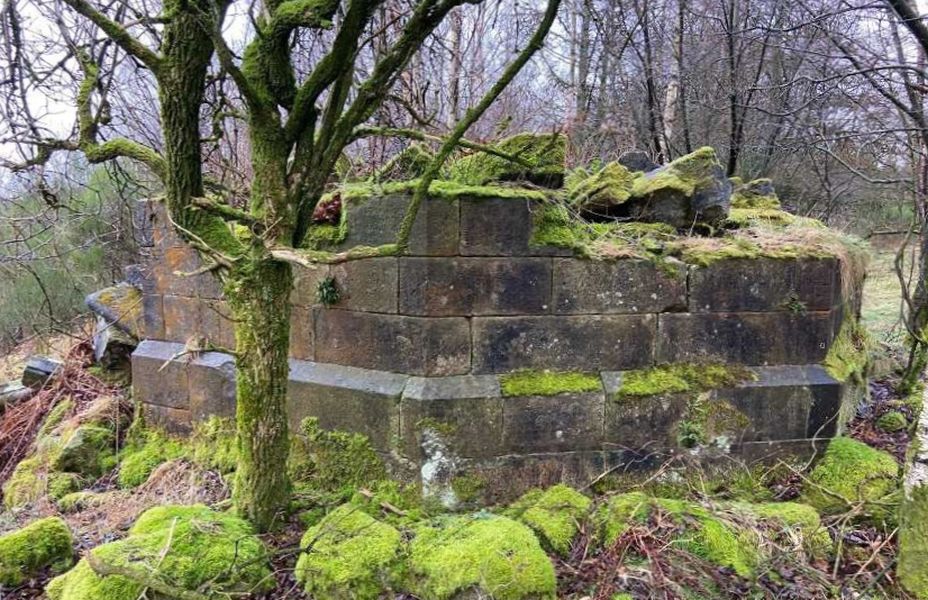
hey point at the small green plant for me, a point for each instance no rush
(327, 292)
(794, 305)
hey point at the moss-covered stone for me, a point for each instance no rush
(682, 377)
(409, 163)
(213, 444)
(26, 484)
(78, 501)
(597, 193)
(554, 515)
(796, 518)
(335, 461)
(848, 356)
(548, 383)
(544, 155)
(146, 450)
(60, 484)
(42, 544)
(852, 475)
(189, 548)
(758, 193)
(348, 555)
(892, 421)
(487, 555)
(89, 450)
(439, 189)
(912, 568)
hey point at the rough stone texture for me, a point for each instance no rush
(645, 424)
(306, 283)
(744, 338)
(211, 377)
(506, 478)
(500, 227)
(152, 317)
(765, 284)
(637, 160)
(217, 324)
(413, 345)
(376, 221)
(474, 286)
(621, 286)
(159, 374)
(346, 398)
(302, 338)
(183, 318)
(367, 285)
(617, 342)
(564, 422)
(469, 407)
(173, 420)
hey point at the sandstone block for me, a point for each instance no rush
(621, 286)
(563, 422)
(159, 374)
(474, 286)
(376, 221)
(367, 285)
(211, 377)
(413, 345)
(582, 342)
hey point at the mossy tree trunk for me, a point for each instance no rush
(258, 291)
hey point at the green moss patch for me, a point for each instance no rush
(892, 421)
(554, 515)
(483, 554)
(348, 554)
(42, 544)
(756, 194)
(410, 163)
(544, 155)
(548, 383)
(439, 189)
(852, 475)
(684, 174)
(169, 548)
(849, 355)
(146, 450)
(334, 461)
(597, 192)
(912, 568)
(681, 377)
(213, 444)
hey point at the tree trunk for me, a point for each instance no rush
(259, 296)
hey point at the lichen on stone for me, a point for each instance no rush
(189, 548)
(548, 383)
(43, 544)
(758, 193)
(852, 475)
(596, 193)
(483, 554)
(348, 554)
(555, 515)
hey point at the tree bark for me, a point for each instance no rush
(259, 297)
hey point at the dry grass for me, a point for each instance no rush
(55, 345)
(882, 299)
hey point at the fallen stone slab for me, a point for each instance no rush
(38, 370)
(13, 393)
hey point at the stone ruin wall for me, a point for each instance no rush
(422, 338)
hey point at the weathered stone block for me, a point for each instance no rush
(587, 343)
(765, 284)
(346, 398)
(376, 221)
(159, 374)
(620, 286)
(474, 286)
(211, 378)
(152, 317)
(772, 410)
(467, 408)
(413, 345)
(500, 227)
(645, 424)
(744, 338)
(173, 420)
(174, 260)
(564, 422)
(306, 284)
(302, 342)
(505, 478)
(217, 324)
(367, 285)
(182, 318)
